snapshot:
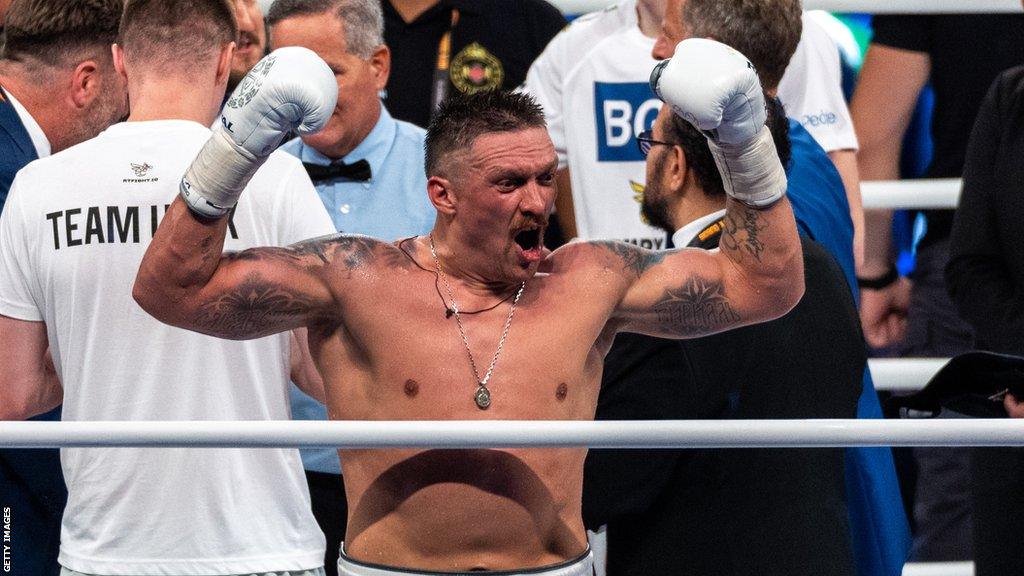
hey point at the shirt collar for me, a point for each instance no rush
(374, 148)
(440, 10)
(39, 140)
(686, 234)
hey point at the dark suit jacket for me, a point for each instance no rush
(738, 511)
(985, 279)
(15, 145)
(31, 481)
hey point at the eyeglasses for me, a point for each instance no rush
(645, 140)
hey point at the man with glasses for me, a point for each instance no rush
(686, 511)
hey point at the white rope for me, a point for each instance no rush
(938, 569)
(910, 194)
(518, 433)
(869, 6)
(904, 374)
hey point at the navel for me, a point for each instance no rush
(561, 391)
(411, 388)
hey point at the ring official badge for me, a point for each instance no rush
(250, 85)
(474, 69)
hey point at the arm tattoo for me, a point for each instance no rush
(699, 306)
(255, 308)
(350, 251)
(742, 233)
(633, 258)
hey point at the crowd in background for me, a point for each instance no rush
(714, 512)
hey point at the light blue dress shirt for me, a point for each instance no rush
(392, 204)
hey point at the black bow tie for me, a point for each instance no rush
(359, 170)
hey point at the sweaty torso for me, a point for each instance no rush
(395, 356)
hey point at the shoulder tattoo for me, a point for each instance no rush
(634, 259)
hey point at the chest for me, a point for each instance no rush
(538, 358)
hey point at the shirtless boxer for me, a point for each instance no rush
(390, 325)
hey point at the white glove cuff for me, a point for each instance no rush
(215, 179)
(751, 172)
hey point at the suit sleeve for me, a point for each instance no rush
(977, 277)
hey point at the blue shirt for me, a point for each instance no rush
(878, 525)
(392, 204)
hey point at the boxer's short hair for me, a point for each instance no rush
(698, 154)
(461, 118)
(363, 20)
(176, 31)
(60, 33)
(765, 31)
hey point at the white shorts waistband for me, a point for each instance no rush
(582, 566)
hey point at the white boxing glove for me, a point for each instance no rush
(716, 89)
(291, 89)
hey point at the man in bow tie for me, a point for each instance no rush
(367, 168)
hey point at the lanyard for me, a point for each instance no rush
(444, 52)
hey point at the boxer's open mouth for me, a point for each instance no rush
(528, 239)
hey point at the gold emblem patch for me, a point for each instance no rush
(474, 69)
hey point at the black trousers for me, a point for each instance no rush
(327, 494)
(997, 490)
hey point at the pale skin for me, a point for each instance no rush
(379, 336)
(890, 81)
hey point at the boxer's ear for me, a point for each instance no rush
(439, 190)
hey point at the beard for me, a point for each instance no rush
(654, 203)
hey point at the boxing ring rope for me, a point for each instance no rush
(868, 6)
(911, 194)
(518, 433)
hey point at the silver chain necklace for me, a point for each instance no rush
(483, 395)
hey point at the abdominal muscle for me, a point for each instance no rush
(461, 510)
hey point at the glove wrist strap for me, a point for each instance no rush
(751, 172)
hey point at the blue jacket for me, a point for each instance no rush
(15, 144)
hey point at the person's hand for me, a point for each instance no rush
(291, 89)
(1014, 407)
(883, 313)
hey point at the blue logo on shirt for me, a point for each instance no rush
(825, 118)
(622, 110)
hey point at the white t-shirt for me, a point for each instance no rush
(812, 88)
(593, 82)
(72, 234)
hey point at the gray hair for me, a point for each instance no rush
(363, 20)
(765, 31)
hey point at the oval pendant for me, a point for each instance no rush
(483, 398)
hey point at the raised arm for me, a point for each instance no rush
(757, 274)
(185, 279)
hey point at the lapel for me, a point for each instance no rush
(11, 123)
